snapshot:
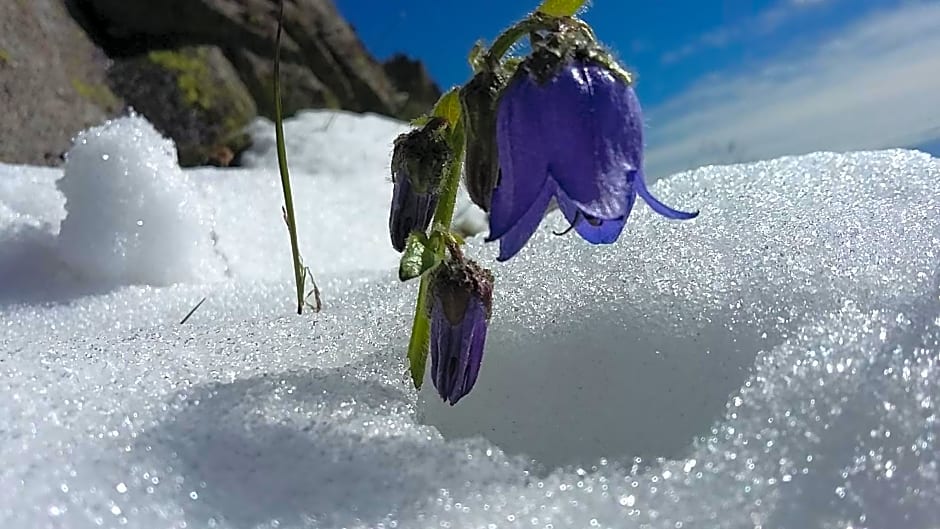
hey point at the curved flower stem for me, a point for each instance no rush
(508, 38)
(545, 17)
(282, 167)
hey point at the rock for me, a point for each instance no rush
(315, 36)
(300, 88)
(52, 81)
(198, 69)
(192, 95)
(410, 77)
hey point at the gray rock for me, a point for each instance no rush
(315, 35)
(419, 92)
(198, 69)
(300, 88)
(52, 81)
(192, 95)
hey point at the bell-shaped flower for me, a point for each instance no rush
(418, 162)
(569, 128)
(460, 305)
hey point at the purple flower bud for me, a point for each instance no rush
(461, 301)
(569, 127)
(418, 163)
(478, 103)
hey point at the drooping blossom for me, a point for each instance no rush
(569, 128)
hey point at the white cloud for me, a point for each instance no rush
(874, 84)
(766, 22)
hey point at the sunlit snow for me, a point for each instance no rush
(773, 363)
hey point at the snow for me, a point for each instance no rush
(773, 363)
(132, 216)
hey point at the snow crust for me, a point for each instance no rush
(773, 363)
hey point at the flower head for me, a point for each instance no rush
(569, 128)
(478, 102)
(461, 301)
(418, 163)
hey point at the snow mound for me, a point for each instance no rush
(773, 363)
(132, 216)
(135, 217)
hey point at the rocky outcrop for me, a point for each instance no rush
(190, 94)
(315, 36)
(198, 69)
(418, 91)
(53, 81)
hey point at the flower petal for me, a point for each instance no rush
(594, 130)
(445, 346)
(601, 231)
(515, 238)
(523, 156)
(457, 350)
(639, 184)
(409, 211)
(472, 343)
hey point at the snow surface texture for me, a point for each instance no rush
(773, 363)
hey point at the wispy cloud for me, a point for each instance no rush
(766, 22)
(872, 84)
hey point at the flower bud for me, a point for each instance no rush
(418, 164)
(478, 103)
(461, 302)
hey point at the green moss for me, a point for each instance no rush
(4, 57)
(99, 94)
(192, 75)
(257, 20)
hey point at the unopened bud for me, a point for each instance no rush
(478, 101)
(418, 164)
(461, 303)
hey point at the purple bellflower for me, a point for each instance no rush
(418, 163)
(569, 128)
(461, 302)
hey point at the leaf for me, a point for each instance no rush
(448, 107)
(420, 121)
(419, 257)
(420, 336)
(288, 210)
(561, 8)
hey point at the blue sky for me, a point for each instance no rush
(723, 81)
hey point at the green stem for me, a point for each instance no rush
(544, 18)
(508, 38)
(282, 166)
(444, 213)
(420, 334)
